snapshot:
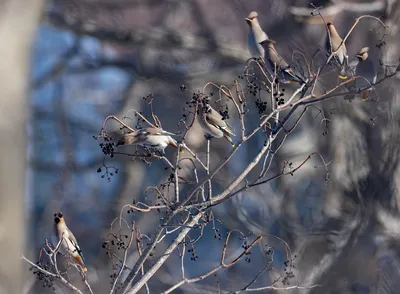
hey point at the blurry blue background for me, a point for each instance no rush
(93, 59)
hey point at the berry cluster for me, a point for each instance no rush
(47, 280)
(288, 272)
(261, 106)
(279, 97)
(107, 174)
(246, 246)
(119, 242)
(193, 252)
(224, 112)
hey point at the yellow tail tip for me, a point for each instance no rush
(342, 77)
(182, 151)
(84, 269)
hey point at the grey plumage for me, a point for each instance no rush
(255, 36)
(68, 246)
(155, 138)
(334, 44)
(365, 69)
(275, 62)
(212, 122)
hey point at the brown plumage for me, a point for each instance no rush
(212, 122)
(365, 69)
(155, 138)
(334, 44)
(275, 62)
(255, 36)
(68, 246)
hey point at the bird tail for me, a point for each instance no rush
(173, 143)
(344, 69)
(343, 75)
(229, 140)
(81, 263)
(165, 133)
(296, 77)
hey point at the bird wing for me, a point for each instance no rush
(157, 132)
(328, 47)
(216, 120)
(296, 76)
(279, 60)
(74, 243)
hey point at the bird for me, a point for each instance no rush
(151, 137)
(255, 35)
(212, 122)
(284, 73)
(366, 70)
(68, 246)
(332, 44)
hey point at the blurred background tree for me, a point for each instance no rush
(96, 58)
(18, 23)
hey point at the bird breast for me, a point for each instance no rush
(155, 141)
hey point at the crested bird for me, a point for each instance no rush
(334, 45)
(255, 36)
(365, 69)
(212, 122)
(284, 73)
(68, 244)
(155, 138)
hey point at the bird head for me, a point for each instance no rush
(249, 19)
(126, 139)
(362, 55)
(58, 217)
(331, 28)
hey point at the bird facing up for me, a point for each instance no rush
(275, 62)
(155, 138)
(255, 36)
(212, 122)
(365, 69)
(68, 246)
(334, 44)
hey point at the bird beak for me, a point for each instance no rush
(248, 20)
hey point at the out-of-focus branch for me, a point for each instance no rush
(143, 37)
(331, 11)
(222, 264)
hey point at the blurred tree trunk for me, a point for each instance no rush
(18, 22)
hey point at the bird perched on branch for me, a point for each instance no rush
(155, 138)
(334, 45)
(255, 36)
(212, 122)
(284, 73)
(68, 245)
(366, 70)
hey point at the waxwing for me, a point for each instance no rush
(367, 72)
(212, 122)
(68, 246)
(275, 62)
(333, 42)
(155, 138)
(256, 36)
